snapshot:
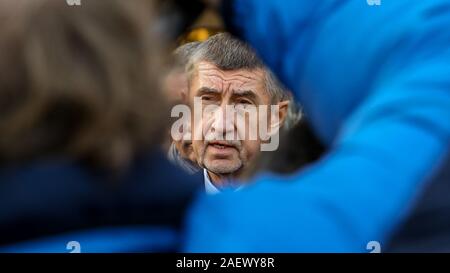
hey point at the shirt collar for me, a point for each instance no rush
(209, 186)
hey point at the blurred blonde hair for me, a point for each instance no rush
(78, 81)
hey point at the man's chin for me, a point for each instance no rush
(223, 168)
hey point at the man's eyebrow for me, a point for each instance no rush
(245, 93)
(207, 90)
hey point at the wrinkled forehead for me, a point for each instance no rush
(208, 75)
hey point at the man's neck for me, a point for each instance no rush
(220, 180)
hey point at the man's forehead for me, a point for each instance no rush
(208, 73)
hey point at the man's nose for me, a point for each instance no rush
(223, 123)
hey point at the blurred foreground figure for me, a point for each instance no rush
(374, 83)
(81, 118)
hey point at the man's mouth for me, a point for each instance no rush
(222, 149)
(221, 145)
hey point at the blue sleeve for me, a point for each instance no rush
(375, 83)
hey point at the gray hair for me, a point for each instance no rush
(183, 54)
(229, 53)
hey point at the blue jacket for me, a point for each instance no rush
(374, 82)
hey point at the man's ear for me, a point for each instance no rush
(276, 124)
(283, 110)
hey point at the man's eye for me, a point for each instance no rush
(243, 101)
(206, 98)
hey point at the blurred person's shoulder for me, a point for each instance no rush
(53, 197)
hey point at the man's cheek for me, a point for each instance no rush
(247, 125)
(252, 148)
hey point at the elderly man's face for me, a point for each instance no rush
(217, 89)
